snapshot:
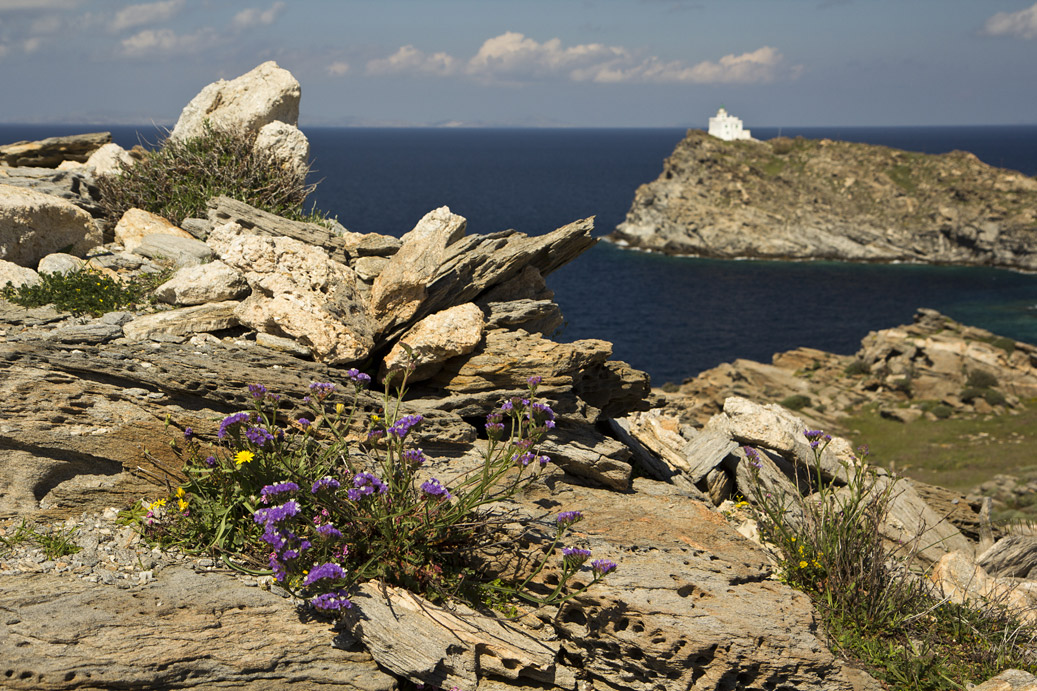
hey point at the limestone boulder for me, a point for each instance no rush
(298, 291)
(197, 285)
(961, 580)
(59, 263)
(136, 224)
(51, 152)
(401, 286)
(174, 249)
(435, 339)
(186, 321)
(286, 145)
(17, 275)
(256, 98)
(110, 159)
(34, 224)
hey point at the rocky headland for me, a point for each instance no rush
(799, 199)
(88, 405)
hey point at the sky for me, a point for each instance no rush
(586, 63)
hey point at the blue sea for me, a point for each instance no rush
(672, 317)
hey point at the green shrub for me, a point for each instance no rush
(795, 402)
(981, 379)
(856, 368)
(670, 387)
(873, 607)
(177, 180)
(994, 397)
(83, 291)
(1005, 344)
(298, 498)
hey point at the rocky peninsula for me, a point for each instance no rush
(799, 199)
(88, 404)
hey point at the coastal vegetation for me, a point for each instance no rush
(177, 179)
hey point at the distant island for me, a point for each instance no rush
(822, 199)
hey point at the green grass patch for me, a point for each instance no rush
(84, 291)
(958, 454)
(903, 177)
(795, 402)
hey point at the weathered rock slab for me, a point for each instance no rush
(34, 224)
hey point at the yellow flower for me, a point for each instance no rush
(157, 504)
(793, 539)
(242, 457)
(375, 418)
(339, 407)
(181, 504)
(802, 565)
(180, 492)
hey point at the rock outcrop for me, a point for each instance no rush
(808, 199)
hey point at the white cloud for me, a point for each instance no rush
(31, 45)
(165, 41)
(513, 57)
(254, 16)
(1021, 24)
(148, 13)
(338, 68)
(410, 60)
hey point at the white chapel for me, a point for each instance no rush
(727, 127)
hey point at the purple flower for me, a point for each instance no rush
(258, 391)
(414, 456)
(276, 538)
(278, 488)
(816, 437)
(328, 570)
(303, 422)
(321, 389)
(231, 421)
(403, 425)
(573, 557)
(358, 378)
(602, 567)
(328, 530)
(210, 461)
(526, 458)
(753, 456)
(365, 484)
(188, 433)
(375, 434)
(277, 567)
(258, 436)
(325, 482)
(568, 518)
(331, 601)
(507, 405)
(276, 514)
(534, 380)
(434, 489)
(543, 460)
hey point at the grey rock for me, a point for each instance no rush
(176, 250)
(92, 332)
(198, 227)
(1013, 556)
(284, 345)
(185, 321)
(72, 186)
(59, 263)
(584, 452)
(534, 316)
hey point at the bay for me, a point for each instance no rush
(672, 317)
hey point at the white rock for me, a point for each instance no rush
(183, 322)
(197, 285)
(437, 338)
(136, 224)
(34, 224)
(286, 144)
(174, 249)
(110, 159)
(254, 99)
(59, 263)
(17, 275)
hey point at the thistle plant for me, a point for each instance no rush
(337, 494)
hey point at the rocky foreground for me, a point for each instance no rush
(809, 199)
(87, 406)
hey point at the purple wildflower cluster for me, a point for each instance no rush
(573, 557)
(335, 600)
(433, 489)
(257, 391)
(359, 379)
(230, 422)
(269, 491)
(816, 437)
(330, 570)
(753, 456)
(568, 518)
(602, 567)
(321, 390)
(326, 482)
(494, 424)
(364, 485)
(258, 436)
(329, 531)
(403, 425)
(414, 456)
(286, 544)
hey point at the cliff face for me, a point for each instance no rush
(822, 199)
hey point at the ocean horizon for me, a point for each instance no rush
(670, 316)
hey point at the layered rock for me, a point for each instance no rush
(807, 199)
(33, 225)
(51, 152)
